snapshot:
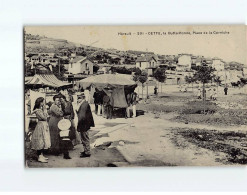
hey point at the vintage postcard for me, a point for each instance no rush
(135, 96)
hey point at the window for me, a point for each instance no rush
(87, 66)
(140, 64)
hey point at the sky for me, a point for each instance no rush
(202, 40)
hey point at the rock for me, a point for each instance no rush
(157, 116)
(118, 164)
(121, 143)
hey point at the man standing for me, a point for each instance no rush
(128, 100)
(111, 104)
(134, 100)
(108, 102)
(96, 97)
(155, 90)
(85, 122)
(226, 90)
(199, 94)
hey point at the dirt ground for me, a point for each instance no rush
(158, 137)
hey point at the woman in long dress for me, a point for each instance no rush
(41, 135)
(56, 114)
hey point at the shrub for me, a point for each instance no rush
(197, 107)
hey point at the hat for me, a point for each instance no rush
(80, 95)
(64, 124)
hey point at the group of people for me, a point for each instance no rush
(104, 103)
(47, 134)
(213, 94)
(202, 94)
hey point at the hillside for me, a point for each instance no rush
(36, 44)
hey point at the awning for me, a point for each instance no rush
(107, 80)
(46, 80)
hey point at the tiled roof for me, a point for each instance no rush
(145, 59)
(78, 58)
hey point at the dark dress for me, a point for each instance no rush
(56, 114)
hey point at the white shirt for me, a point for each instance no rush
(79, 105)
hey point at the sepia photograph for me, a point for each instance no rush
(135, 96)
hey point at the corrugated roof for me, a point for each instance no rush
(46, 80)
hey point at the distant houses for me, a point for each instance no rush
(148, 63)
(81, 65)
(42, 58)
(80, 61)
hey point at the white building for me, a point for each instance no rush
(47, 60)
(148, 63)
(236, 75)
(218, 64)
(228, 76)
(81, 65)
(184, 62)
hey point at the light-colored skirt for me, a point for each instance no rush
(41, 136)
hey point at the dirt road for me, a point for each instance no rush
(157, 140)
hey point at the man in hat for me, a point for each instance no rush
(85, 122)
(226, 89)
(134, 100)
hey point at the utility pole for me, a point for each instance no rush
(147, 89)
(59, 66)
